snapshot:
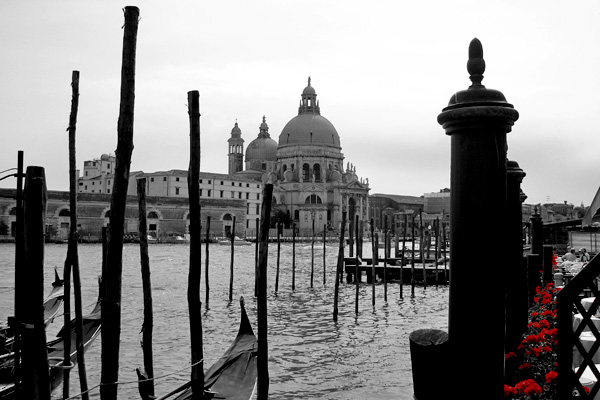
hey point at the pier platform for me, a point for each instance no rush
(434, 273)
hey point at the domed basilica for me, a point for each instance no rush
(306, 167)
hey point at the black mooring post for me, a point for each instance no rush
(516, 292)
(477, 121)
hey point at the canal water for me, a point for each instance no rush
(361, 356)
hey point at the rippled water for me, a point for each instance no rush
(362, 356)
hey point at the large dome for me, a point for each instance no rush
(263, 148)
(309, 127)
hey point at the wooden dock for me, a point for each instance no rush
(434, 272)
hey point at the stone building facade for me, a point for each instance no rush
(166, 216)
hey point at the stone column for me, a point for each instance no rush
(477, 121)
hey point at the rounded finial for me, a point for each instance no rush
(476, 63)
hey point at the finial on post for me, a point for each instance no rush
(476, 63)
(309, 81)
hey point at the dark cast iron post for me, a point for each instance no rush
(477, 121)
(516, 270)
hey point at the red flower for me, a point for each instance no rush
(532, 388)
(508, 390)
(551, 377)
(509, 355)
(525, 366)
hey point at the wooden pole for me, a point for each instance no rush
(20, 274)
(324, 262)
(148, 324)
(421, 243)
(231, 264)
(386, 255)
(359, 245)
(195, 270)
(403, 253)
(35, 376)
(351, 229)
(72, 252)
(256, 259)
(278, 256)
(396, 239)
(412, 259)
(356, 270)
(375, 248)
(263, 348)
(445, 261)
(312, 253)
(111, 307)
(206, 254)
(437, 242)
(340, 262)
(294, 256)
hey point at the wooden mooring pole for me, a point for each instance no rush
(111, 306)
(20, 275)
(256, 258)
(339, 266)
(357, 272)
(232, 258)
(293, 256)
(148, 324)
(195, 268)
(324, 248)
(206, 256)
(263, 350)
(34, 357)
(421, 243)
(403, 254)
(386, 254)
(72, 252)
(278, 256)
(312, 253)
(412, 258)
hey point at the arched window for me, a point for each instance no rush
(227, 217)
(292, 166)
(297, 214)
(152, 215)
(317, 172)
(284, 167)
(313, 199)
(64, 213)
(306, 172)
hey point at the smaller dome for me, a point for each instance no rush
(236, 132)
(309, 89)
(263, 148)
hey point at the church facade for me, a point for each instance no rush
(306, 167)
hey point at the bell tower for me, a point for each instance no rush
(236, 150)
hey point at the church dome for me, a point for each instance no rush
(263, 148)
(309, 127)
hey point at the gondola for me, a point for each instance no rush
(91, 330)
(52, 306)
(232, 377)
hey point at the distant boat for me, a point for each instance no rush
(237, 241)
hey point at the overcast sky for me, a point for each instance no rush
(382, 70)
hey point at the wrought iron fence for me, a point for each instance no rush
(570, 330)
